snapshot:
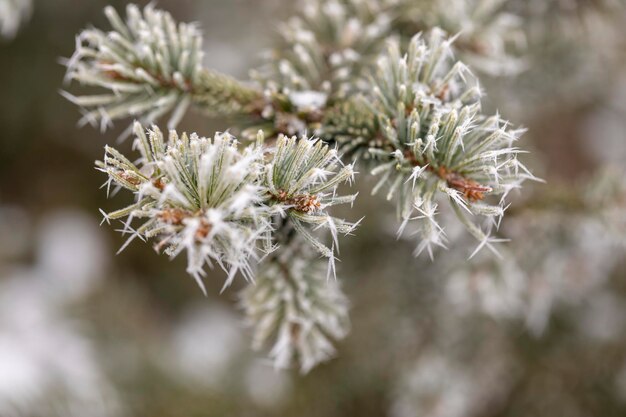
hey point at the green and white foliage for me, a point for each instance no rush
(295, 310)
(353, 127)
(321, 58)
(149, 66)
(410, 114)
(219, 203)
(325, 46)
(490, 38)
(326, 51)
(302, 179)
(195, 194)
(436, 143)
(428, 72)
(12, 14)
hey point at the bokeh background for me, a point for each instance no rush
(85, 332)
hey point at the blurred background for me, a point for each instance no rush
(84, 332)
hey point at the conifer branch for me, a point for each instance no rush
(351, 72)
(295, 310)
(150, 66)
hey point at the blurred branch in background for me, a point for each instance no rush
(13, 13)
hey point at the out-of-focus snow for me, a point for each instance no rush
(46, 362)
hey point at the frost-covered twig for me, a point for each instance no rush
(196, 194)
(431, 140)
(150, 66)
(217, 202)
(302, 179)
(295, 310)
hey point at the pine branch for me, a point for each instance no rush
(325, 46)
(218, 202)
(410, 113)
(295, 310)
(302, 179)
(430, 140)
(150, 66)
(195, 194)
